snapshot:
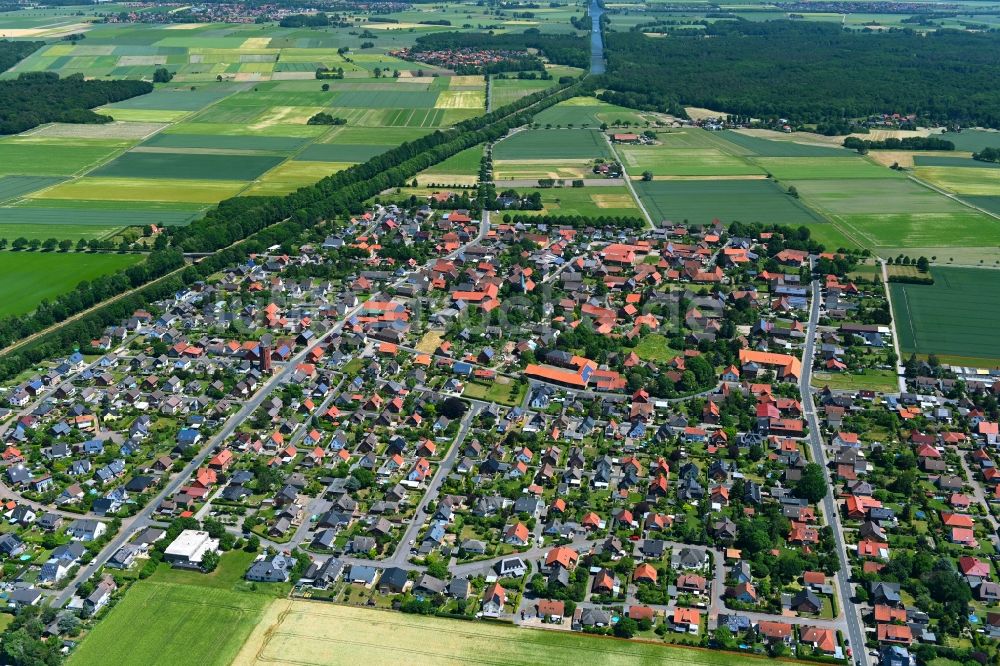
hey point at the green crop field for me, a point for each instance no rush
(29, 277)
(552, 144)
(233, 119)
(143, 190)
(195, 166)
(661, 161)
(958, 315)
(292, 175)
(209, 622)
(824, 168)
(382, 136)
(31, 156)
(13, 187)
(303, 632)
(701, 201)
(940, 161)
(973, 140)
(222, 142)
(340, 152)
(879, 195)
(992, 204)
(960, 228)
(963, 180)
(505, 91)
(782, 148)
(464, 163)
(587, 110)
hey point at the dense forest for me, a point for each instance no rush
(813, 72)
(42, 97)
(560, 49)
(12, 53)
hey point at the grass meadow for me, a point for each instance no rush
(587, 201)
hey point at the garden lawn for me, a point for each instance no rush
(29, 277)
(871, 380)
(653, 347)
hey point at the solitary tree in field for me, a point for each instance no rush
(647, 176)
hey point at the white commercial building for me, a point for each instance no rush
(189, 548)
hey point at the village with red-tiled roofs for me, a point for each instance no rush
(555, 426)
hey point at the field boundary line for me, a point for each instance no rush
(332, 131)
(628, 182)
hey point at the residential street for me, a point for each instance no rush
(849, 611)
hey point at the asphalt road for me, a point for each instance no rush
(853, 624)
(433, 489)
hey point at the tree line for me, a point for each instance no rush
(247, 225)
(987, 155)
(579, 221)
(907, 143)
(742, 67)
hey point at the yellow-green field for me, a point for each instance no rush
(315, 633)
(144, 189)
